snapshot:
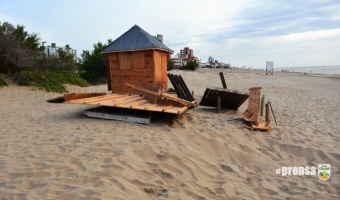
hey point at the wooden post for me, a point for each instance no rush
(262, 105)
(218, 104)
(223, 81)
(267, 111)
(272, 111)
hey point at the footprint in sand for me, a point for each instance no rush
(226, 168)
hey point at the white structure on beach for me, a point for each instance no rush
(270, 67)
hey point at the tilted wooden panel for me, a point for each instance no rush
(252, 113)
(229, 98)
(181, 88)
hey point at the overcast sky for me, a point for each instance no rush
(239, 32)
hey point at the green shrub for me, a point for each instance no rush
(2, 82)
(49, 80)
(171, 65)
(191, 65)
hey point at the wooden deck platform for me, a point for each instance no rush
(136, 102)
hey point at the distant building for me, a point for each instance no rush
(71, 51)
(203, 65)
(52, 51)
(178, 62)
(211, 60)
(184, 56)
(187, 53)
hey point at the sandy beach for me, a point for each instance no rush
(52, 151)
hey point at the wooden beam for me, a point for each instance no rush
(262, 105)
(223, 80)
(94, 99)
(184, 102)
(167, 108)
(267, 112)
(272, 111)
(75, 96)
(218, 104)
(162, 94)
(110, 98)
(185, 108)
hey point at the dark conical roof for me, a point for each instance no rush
(135, 39)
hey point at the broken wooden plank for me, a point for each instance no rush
(218, 104)
(74, 96)
(167, 108)
(182, 110)
(185, 88)
(89, 99)
(267, 112)
(162, 94)
(229, 98)
(272, 112)
(105, 99)
(252, 113)
(262, 105)
(177, 86)
(223, 80)
(181, 88)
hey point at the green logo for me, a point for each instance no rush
(324, 171)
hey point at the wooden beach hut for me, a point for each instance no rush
(137, 58)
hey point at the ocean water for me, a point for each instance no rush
(334, 69)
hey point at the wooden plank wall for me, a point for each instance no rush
(161, 63)
(136, 67)
(158, 70)
(165, 61)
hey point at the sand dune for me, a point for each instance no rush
(52, 151)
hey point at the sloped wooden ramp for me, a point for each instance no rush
(136, 102)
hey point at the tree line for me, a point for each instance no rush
(23, 61)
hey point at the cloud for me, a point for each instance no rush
(242, 32)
